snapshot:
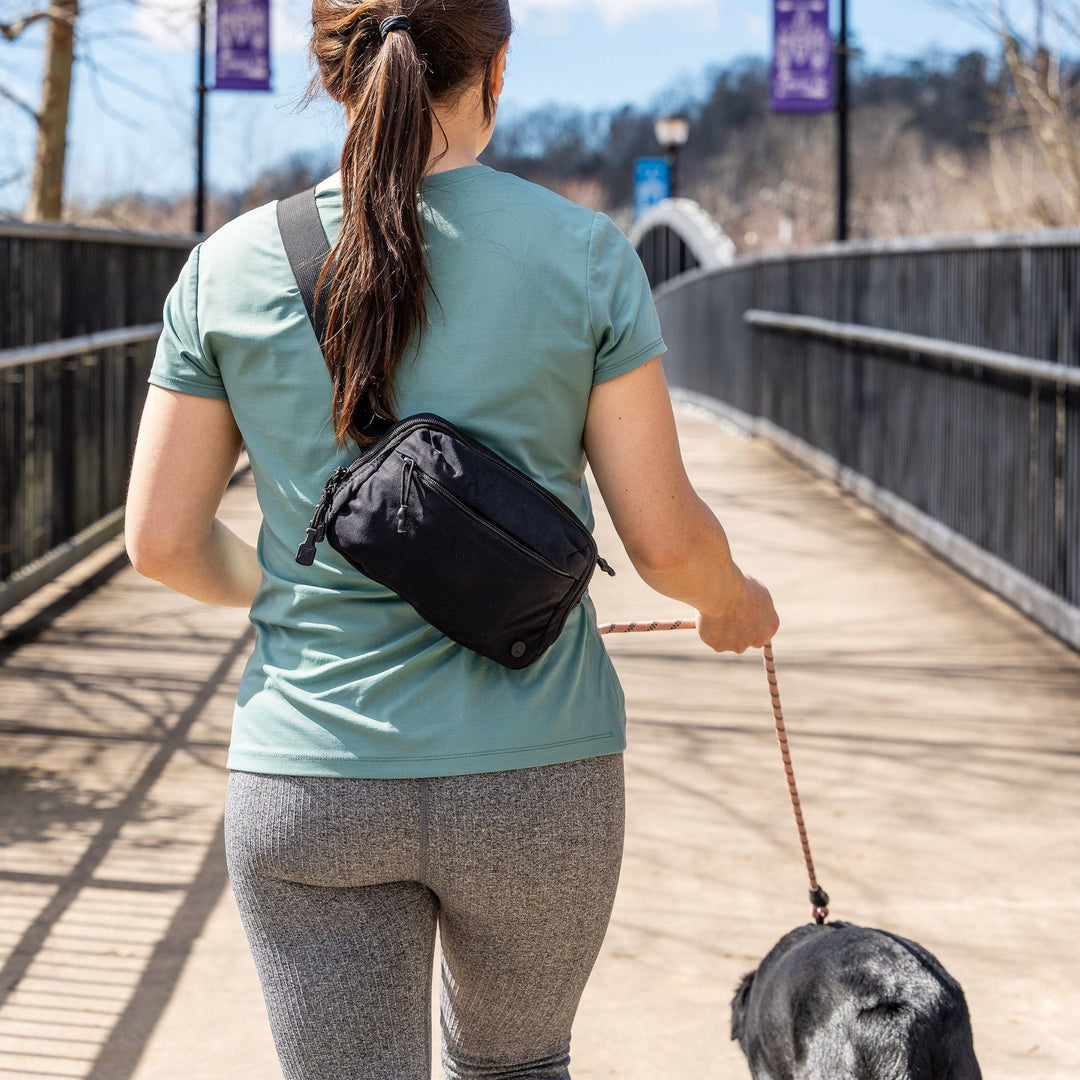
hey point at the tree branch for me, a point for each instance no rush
(1050, 120)
(12, 31)
(96, 73)
(102, 73)
(25, 106)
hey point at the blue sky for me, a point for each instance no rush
(132, 126)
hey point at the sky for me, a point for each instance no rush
(133, 115)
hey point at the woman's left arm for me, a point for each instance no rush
(185, 454)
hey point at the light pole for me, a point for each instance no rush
(672, 133)
(843, 151)
(200, 125)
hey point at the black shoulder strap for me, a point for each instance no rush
(308, 249)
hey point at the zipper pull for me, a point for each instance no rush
(305, 553)
(406, 484)
(602, 563)
(316, 531)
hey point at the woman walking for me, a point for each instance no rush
(385, 781)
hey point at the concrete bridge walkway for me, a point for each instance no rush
(936, 737)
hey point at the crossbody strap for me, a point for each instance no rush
(306, 245)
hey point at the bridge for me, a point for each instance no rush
(891, 434)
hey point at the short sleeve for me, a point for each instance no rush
(181, 362)
(625, 325)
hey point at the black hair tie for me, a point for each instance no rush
(395, 22)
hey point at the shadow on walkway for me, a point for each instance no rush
(114, 718)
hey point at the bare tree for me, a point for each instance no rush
(47, 189)
(1046, 94)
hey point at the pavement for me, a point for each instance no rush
(936, 740)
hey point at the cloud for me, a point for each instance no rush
(173, 24)
(613, 12)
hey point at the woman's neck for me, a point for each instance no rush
(459, 133)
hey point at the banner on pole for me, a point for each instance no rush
(802, 68)
(243, 45)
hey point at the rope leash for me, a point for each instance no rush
(646, 628)
(819, 898)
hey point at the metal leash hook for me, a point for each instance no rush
(819, 898)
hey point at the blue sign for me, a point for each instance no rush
(652, 183)
(802, 69)
(243, 45)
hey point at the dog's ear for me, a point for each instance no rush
(738, 1006)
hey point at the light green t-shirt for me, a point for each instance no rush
(535, 301)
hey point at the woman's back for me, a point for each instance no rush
(534, 300)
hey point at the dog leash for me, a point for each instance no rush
(646, 628)
(819, 898)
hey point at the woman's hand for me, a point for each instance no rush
(749, 623)
(672, 537)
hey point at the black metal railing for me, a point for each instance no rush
(945, 373)
(80, 314)
(665, 254)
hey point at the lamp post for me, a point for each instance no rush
(843, 106)
(672, 133)
(200, 125)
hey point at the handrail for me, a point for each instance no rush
(98, 234)
(75, 346)
(894, 341)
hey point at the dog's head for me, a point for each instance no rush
(738, 1006)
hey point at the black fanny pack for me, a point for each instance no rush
(480, 550)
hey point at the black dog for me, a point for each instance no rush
(842, 1002)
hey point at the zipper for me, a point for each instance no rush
(491, 526)
(437, 422)
(316, 531)
(405, 427)
(406, 484)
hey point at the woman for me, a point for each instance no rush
(384, 780)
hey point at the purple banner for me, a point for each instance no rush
(802, 69)
(243, 45)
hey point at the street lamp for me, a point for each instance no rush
(672, 133)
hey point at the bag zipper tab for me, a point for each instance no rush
(316, 531)
(406, 485)
(602, 563)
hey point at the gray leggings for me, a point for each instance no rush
(341, 882)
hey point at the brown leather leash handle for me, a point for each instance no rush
(819, 898)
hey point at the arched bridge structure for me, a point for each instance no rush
(677, 236)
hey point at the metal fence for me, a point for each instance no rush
(79, 313)
(945, 374)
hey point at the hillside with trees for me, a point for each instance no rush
(938, 145)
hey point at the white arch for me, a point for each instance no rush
(706, 241)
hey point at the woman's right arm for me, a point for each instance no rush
(673, 539)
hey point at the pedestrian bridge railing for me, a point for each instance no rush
(939, 380)
(80, 311)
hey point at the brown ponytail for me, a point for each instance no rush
(376, 281)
